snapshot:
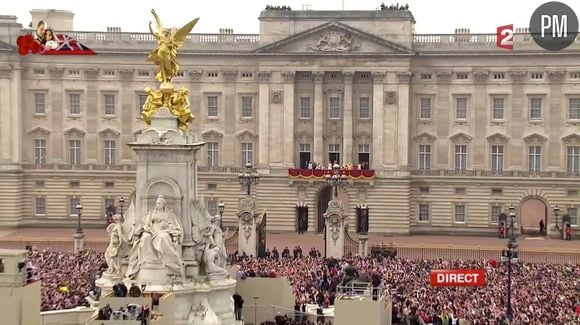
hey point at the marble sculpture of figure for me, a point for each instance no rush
(211, 256)
(218, 239)
(116, 250)
(157, 239)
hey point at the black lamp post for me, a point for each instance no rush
(79, 208)
(248, 178)
(510, 256)
(556, 214)
(221, 208)
(122, 204)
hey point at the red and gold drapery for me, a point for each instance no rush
(321, 173)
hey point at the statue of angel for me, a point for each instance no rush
(169, 41)
(117, 247)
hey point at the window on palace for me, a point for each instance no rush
(364, 109)
(247, 75)
(424, 157)
(499, 76)
(462, 76)
(334, 107)
(424, 213)
(212, 154)
(212, 106)
(497, 158)
(305, 107)
(425, 108)
(110, 154)
(304, 154)
(534, 158)
(109, 73)
(74, 152)
(247, 153)
(537, 76)
(497, 108)
(461, 157)
(424, 190)
(573, 161)
(39, 184)
(572, 193)
(426, 76)
(74, 184)
(496, 210)
(143, 73)
(535, 108)
(460, 213)
(212, 186)
(108, 203)
(496, 191)
(109, 104)
(109, 184)
(573, 213)
(247, 106)
(574, 75)
(364, 154)
(74, 103)
(461, 108)
(334, 153)
(72, 206)
(40, 151)
(212, 74)
(141, 99)
(574, 108)
(460, 190)
(39, 103)
(40, 206)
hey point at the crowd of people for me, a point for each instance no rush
(541, 293)
(67, 278)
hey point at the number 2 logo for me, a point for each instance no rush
(505, 37)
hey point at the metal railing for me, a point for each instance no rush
(231, 242)
(490, 173)
(351, 246)
(55, 245)
(266, 314)
(451, 252)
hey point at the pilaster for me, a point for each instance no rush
(378, 120)
(403, 119)
(288, 118)
(264, 118)
(347, 118)
(318, 141)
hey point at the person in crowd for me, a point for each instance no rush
(134, 291)
(39, 35)
(51, 43)
(238, 305)
(542, 227)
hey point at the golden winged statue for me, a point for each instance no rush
(165, 54)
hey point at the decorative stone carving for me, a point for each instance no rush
(276, 96)
(390, 97)
(480, 76)
(460, 137)
(92, 73)
(378, 76)
(443, 76)
(556, 76)
(288, 76)
(247, 224)
(211, 258)
(264, 76)
(56, 72)
(5, 72)
(126, 74)
(498, 138)
(404, 77)
(157, 240)
(348, 77)
(116, 250)
(535, 137)
(195, 75)
(334, 215)
(229, 75)
(334, 225)
(318, 76)
(518, 76)
(335, 42)
(247, 216)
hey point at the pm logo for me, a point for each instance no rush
(554, 26)
(505, 37)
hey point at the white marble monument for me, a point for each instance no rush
(335, 221)
(166, 240)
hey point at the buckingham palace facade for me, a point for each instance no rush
(448, 128)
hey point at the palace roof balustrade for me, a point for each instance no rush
(454, 43)
(80, 167)
(492, 173)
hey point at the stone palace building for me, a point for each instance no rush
(453, 128)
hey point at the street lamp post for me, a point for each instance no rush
(510, 256)
(556, 214)
(79, 208)
(336, 181)
(221, 208)
(248, 178)
(79, 237)
(121, 204)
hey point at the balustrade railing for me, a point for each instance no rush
(494, 173)
(83, 167)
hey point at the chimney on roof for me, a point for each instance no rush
(226, 30)
(60, 20)
(113, 29)
(461, 31)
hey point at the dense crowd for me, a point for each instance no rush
(542, 293)
(67, 278)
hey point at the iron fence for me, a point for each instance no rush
(55, 245)
(231, 242)
(351, 246)
(452, 252)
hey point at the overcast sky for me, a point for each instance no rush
(432, 16)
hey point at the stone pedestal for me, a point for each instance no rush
(335, 222)
(363, 245)
(247, 237)
(79, 242)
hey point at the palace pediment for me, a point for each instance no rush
(334, 38)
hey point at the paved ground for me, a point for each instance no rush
(309, 240)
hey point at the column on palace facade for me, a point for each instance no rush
(404, 79)
(378, 119)
(15, 99)
(318, 140)
(347, 117)
(288, 118)
(263, 118)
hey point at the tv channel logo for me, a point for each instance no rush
(553, 27)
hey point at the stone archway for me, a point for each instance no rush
(324, 196)
(532, 210)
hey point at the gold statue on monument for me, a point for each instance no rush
(165, 56)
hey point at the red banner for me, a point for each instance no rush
(321, 173)
(458, 278)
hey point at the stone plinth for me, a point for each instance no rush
(79, 242)
(335, 222)
(247, 237)
(363, 245)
